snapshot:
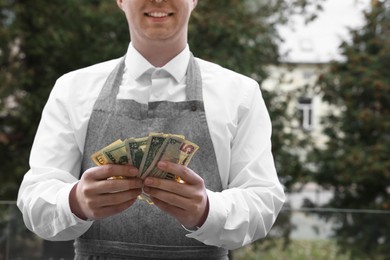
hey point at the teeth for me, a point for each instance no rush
(157, 14)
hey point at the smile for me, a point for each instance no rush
(158, 14)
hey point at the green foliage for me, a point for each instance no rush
(356, 162)
(41, 40)
(231, 34)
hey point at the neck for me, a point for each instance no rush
(159, 54)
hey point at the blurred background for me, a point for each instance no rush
(324, 71)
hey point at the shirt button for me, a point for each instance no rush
(193, 108)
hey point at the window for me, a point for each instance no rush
(305, 109)
(307, 75)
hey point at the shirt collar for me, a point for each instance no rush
(137, 65)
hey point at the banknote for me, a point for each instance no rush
(99, 158)
(155, 141)
(135, 149)
(116, 154)
(187, 151)
(176, 150)
(168, 152)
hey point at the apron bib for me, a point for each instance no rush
(143, 231)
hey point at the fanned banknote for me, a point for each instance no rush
(135, 149)
(116, 154)
(155, 141)
(176, 150)
(99, 158)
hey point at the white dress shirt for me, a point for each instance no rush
(240, 130)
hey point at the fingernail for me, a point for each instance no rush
(134, 171)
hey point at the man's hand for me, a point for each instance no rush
(187, 201)
(96, 196)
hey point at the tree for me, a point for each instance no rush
(355, 162)
(40, 41)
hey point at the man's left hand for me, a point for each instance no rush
(187, 201)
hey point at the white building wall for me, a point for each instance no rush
(302, 77)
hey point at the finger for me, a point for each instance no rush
(110, 170)
(181, 189)
(167, 207)
(118, 185)
(185, 173)
(182, 215)
(113, 199)
(110, 210)
(167, 185)
(174, 199)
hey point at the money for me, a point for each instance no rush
(145, 153)
(135, 149)
(176, 150)
(116, 154)
(155, 141)
(99, 158)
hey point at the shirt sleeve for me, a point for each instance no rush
(246, 210)
(54, 169)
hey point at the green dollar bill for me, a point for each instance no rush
(168, 152)
(177, 151)
(99, 158)
(135, 149)
(117, 154)
(155, 141)
(187, 151)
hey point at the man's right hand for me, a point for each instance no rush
(96, 196)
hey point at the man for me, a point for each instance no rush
(230, 194)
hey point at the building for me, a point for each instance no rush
(306, 52)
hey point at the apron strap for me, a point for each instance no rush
(194, 81)
(107, 96)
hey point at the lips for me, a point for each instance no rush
(158, 14)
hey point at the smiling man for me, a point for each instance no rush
(229, 195)
(158, 29)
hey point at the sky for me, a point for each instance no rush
(318, 41)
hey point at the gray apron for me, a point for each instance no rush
(144, 231)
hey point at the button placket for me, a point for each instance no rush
(158, 84)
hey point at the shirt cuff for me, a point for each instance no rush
(192, 229)
(65, 213)
(209, 232)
